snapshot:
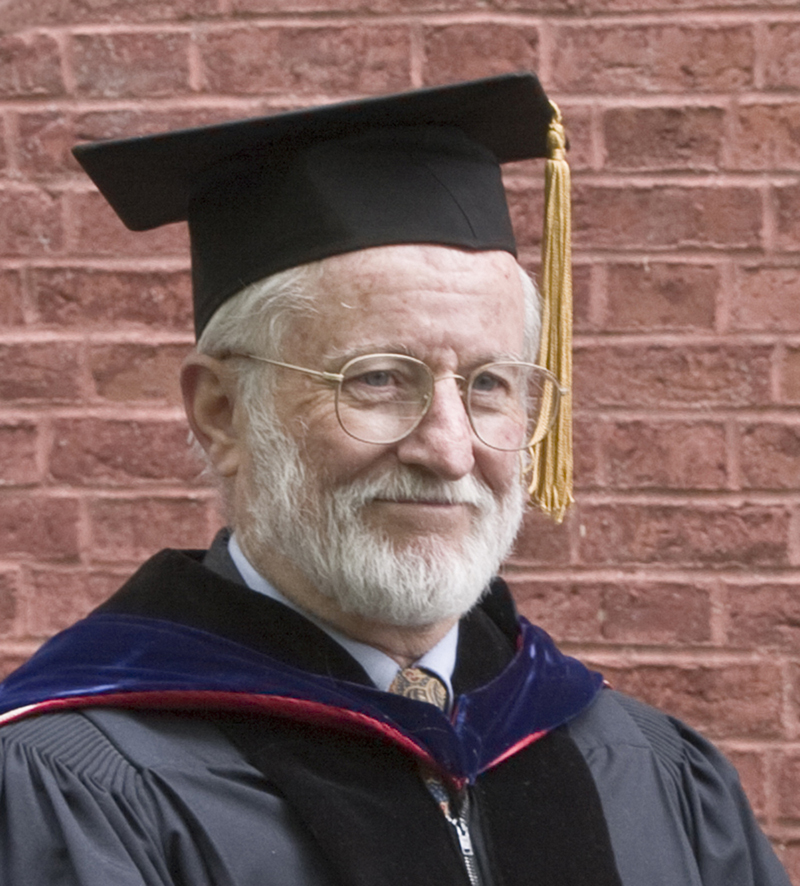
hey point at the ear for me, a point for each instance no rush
(209, 397)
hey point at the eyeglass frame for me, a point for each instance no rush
(336, 378)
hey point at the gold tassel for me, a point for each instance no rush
(551, 460)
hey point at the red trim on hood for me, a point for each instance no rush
(210, 700)
(523, 743)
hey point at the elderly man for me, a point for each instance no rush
(339, 691)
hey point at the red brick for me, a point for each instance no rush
(39, 527)
(138, 372)
(334, 59)
(658, 613)
(92, 298)
(587, 453)
(578, 8)
(30, 66)
(770, 456)
(39, 371)
(782, 56)
(3, 151)
(18, 448)
(752, 772)
(787, 205)
(766, 137)
(765, 299)
(30, 223)
(543, 542)
(390, 7)
(569, 611)
(99, 452)
(789, 785)
(652, 58)
(52, 12)
(151, 63)
(463, 51)
(663, 138)
(731, 700)
(688, 535)
(11, 298)
(671, 376)
(9, 603)
(303, 6)
(667, 455)
(526, 207)
(666, 216)
(98, 231)
(581, 297)
(790, 375)
(62, 596)
(794, 672)
(763, 616)
(133, 529)
(661, 296)
(143, 120)
(44, 142)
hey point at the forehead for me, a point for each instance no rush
(431, 301)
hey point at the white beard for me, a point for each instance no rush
(355, 565)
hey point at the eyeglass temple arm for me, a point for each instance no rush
(333, 377)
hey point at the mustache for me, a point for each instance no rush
(409, 485)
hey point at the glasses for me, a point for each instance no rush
(382, 398)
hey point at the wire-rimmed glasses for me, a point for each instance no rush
(382, 398)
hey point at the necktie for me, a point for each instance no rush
(420, 684)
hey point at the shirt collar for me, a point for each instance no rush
(380, 668)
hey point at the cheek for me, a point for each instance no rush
(334, 456)
(500, 470)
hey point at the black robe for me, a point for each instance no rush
(617, 793)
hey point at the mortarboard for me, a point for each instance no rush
(265, 194)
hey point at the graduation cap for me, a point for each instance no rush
(265, 194)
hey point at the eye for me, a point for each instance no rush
(489, 383)
(376, 378)
(379, 384)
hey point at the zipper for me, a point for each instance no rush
(460, 825)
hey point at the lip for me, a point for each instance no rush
(420, 503)
(414, 516)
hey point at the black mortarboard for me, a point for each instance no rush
(270, 193)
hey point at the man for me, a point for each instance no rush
(340, 690)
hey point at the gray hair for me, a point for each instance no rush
(256, 319)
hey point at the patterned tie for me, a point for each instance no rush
(421, 685)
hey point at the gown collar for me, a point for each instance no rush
(133, 659)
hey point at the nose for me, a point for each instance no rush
(443, 442)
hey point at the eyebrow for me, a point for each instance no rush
(344, 355)
(370, 348)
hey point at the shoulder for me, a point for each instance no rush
(68, 793)
(98, 796)
(672, 801)
(644, 747)
(98, 742)
(619, 723)
(617, 720)
(69, 740)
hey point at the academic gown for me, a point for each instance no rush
(190, 788)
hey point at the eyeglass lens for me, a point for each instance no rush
(382, 398)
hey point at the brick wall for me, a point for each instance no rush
(678, 572)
